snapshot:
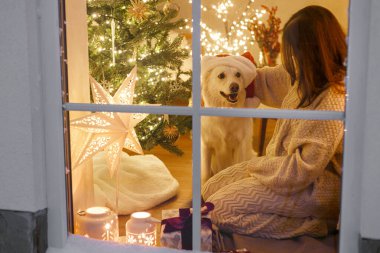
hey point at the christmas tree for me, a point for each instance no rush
(127, 33)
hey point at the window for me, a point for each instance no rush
(196, 112)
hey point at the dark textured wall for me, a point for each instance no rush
(23, 232)
(369, 246)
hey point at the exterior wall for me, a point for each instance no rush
(370, 213)
(23, 197)
(23, 231)
(22, 151)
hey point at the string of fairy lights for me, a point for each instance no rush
(235, 39)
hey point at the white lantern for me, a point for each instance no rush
(141, 229)
(98, 223)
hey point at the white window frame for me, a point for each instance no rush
(353, 116)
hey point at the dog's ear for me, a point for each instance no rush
(205, 77)
(207, 64)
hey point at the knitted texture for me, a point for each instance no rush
(295, 188)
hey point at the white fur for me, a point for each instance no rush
(225, 140)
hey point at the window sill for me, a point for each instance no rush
(79, 244)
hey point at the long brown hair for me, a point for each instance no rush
(314, 51)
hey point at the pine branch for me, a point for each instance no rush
(149, 44)
(172, 148)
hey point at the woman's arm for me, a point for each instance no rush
(272, 85)
(310, 150)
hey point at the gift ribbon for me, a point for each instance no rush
(183, 223)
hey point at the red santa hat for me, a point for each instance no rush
(244, 63)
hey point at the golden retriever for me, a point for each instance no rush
(225, 140)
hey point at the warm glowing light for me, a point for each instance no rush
(97, 223)
(97, 210)
(109, 131)
(141, 229)
(141, 215)
(261, 58)
(236, 37)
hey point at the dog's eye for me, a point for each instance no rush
(238, 74)
(221, 76)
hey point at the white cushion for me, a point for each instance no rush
(144, 182)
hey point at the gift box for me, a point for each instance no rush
(176, 229)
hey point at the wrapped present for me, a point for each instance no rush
(176, 229)
(217, 240)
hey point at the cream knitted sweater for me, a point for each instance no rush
(303, 155)
(295, 188)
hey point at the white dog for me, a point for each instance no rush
(225, 140)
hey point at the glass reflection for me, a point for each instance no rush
(121, 166)
(299, 41)
(291, 190)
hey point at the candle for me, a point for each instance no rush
(141, 229)
(98, 223)
(261, 58)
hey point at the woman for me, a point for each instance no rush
(295, 188)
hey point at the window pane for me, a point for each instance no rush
(273, 180)
(118, 171)
(139, 52)
(122, 52)
(107, 40)
(260, 56)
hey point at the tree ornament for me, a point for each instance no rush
(171, 133)
(109, 131)
(170, 7)
(138, 10)
(113, 27)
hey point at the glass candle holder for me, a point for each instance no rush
(98, 223)
(141, 229)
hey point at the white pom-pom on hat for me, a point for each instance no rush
(244, 65)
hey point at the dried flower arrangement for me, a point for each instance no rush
(267, 35)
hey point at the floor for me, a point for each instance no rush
(181, 169)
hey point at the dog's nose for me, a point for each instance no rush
(234, 87)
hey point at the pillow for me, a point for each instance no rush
(144, 182)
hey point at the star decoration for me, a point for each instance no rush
(138, 10)
(109, 131)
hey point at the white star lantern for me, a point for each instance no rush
(109, 131)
